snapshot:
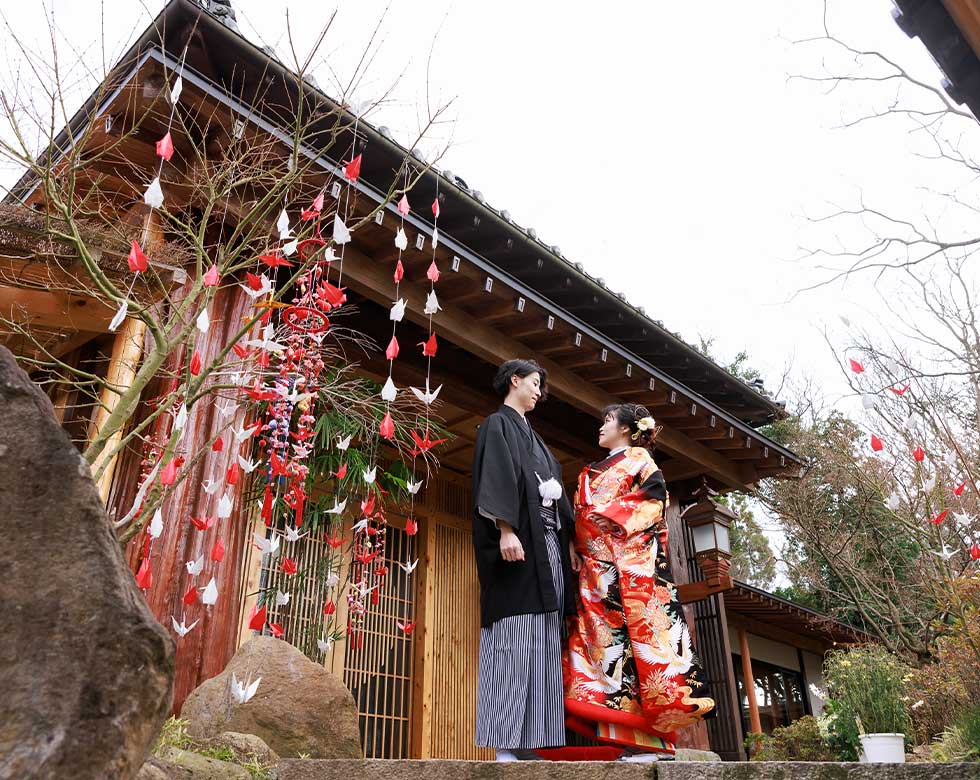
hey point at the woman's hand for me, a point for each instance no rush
(511, 549)
(574, 557)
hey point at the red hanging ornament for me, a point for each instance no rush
(169, 474)
(975, 552)
(939, 518)
(429, 347)
(289, 566)
(411, 526)
(329, 608)
(856, 367)
(203, 523)
(435, 208)
(876, 444)
(212, 276)
(137, 260)
(190, 596)
(958, 491)
(342, 471)
(919, 454)
(403, 207)
(432, 274)
(257, 619)
(231, 476)
(387, 428)
(195, 366)
(900, 390)
(407, 628)
(165, 147)
(392, 352)
(276, 629)
(353, 169)
(144, 577)
(253, 281)
(218, 550)
(273, 260)
(242, 352)
(219, 445)
(399, 272)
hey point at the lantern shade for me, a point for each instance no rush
(709, 522)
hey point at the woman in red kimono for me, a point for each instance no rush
(631, 677)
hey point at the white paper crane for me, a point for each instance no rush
(413, 487)
(397, 310)
(119, 316)
(210, 594)
(293, 534)
(428, 396)
(203, 322)
(181, 628)
(242, 692)
(338, 507)
(156, 525)
(153, 197)
(282, 598)
(401, 240)
(282, 225)
(344, 443)
(408, 568)
(389, 391)
(264, 287)
(431, 303)
(195, 567)
(341, 235)
(224, 507)
(268, 546)
(369, 474)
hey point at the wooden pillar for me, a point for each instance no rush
(126, 352)
(755, 724)
(422, 672)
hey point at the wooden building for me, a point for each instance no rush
(504, 294)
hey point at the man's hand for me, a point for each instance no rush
(511, 549)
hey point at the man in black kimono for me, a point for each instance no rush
(522, 529)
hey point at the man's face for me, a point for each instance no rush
(525, 391)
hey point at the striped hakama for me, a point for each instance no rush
(520, 698)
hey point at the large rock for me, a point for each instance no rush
(299, 708)
(203, 767)
(247, 747)
(86, 673)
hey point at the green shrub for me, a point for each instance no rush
(799, 741)
(865, 687)
(961, 741)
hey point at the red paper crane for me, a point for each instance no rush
(408, 628)
(938, 519)
(919, 454)
(231, 476)
(276, 629)
(329, 608)
(218, 550)
(219, 445)
(190, 596)
(253, 281)
(273, 260)
(169, 474)
(411, 526)
(203, 523)
(387, 427)
(212, 276)
(195, 366)
(144, 577)
(429, 347)
(900, 390)
(432, 274)
(165, 147)
(958, 491)
(856, 367)
(289, 566)
(257, 619)
(435, 208)
(876, 443)
(399, 272)
(332, 294)
(314, 210)
(392, 352)
(335, 542)
(975, 552)
(137, 260)
(426, 444)
(342, 471)
(353, 169)
(403, 207)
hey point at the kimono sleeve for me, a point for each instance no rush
(495, 475)
(640, 508)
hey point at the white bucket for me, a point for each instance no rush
(882, 748)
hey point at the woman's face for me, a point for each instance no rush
(612, 433)
(525, 391)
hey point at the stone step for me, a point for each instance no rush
(377, 769)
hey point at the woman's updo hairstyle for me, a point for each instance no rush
(643, 429)
(520, 368)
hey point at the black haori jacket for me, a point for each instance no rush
(506, 467)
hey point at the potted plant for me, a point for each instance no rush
(864, 685)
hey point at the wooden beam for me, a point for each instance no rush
(371, 279)
(55, 309)
(771, 631)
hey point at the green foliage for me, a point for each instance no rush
(801, 740)
(865, 696)
(173, 734)
(752, 557)
(961, 741)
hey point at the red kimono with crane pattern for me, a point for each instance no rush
(631, 676)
